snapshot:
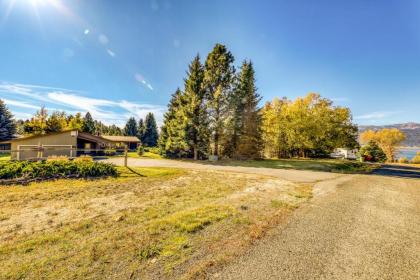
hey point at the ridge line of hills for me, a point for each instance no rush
(411, 130)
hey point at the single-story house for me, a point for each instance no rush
(344, 153)
(64, 143)
(131, 142)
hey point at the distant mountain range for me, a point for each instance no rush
(411, 130)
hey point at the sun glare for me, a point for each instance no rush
(36, 6)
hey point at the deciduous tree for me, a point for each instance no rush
(56, 122)
(388, 139)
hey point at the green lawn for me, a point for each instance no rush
(145, 155)
(149, 223)
(328, 165)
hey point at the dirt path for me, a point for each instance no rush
(300, 176)
(364, 227)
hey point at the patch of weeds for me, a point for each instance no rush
(175, 245)
(150, 251)
(155, 172)
(192, 220)
(282, 204)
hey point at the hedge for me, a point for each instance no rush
(50, 169)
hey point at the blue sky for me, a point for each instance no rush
(122, 58)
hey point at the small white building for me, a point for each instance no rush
(344, 153)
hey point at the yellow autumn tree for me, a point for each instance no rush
(309, 126)
(387, 139)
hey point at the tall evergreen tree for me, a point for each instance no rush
(7, 125)
(218, 75)
(130, 128)
(115, 130)
(194, 111)
(151, 135)
(172, 134)
(88, 124)
(246, 140)
(141, 130)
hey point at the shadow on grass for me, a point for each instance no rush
(130, 172)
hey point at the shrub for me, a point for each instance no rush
(57, 158)
(140, 150)
(372, 152)
(55, 169)
(110, 152)
(153, 150)
(416, 159)
(403, 160)
(85, 158)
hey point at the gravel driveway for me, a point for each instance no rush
(355, 227)
(367, 227)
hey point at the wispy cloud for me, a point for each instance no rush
(377, 115)
(139, 78)
(20, 104)
(106, 110)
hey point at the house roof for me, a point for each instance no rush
(113, 138)
(81, 135)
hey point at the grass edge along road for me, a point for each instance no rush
(325, 165)
(167, 223)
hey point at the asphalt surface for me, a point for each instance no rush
(361, 227)
(398, 170)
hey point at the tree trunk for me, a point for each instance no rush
(216, 144)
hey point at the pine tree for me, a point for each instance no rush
(88, 124)
(194, 111)
(130, 128)
(172, 134)
(218, 76)
(246, 140)
(7, 125)
(151, 135)
(140, 130)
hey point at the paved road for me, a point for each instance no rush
(398, 170)
(300, 176)
(366, 227)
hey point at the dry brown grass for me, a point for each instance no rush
(167, 223)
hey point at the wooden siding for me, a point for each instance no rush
(58, 139)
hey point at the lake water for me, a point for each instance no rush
(408, 153)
